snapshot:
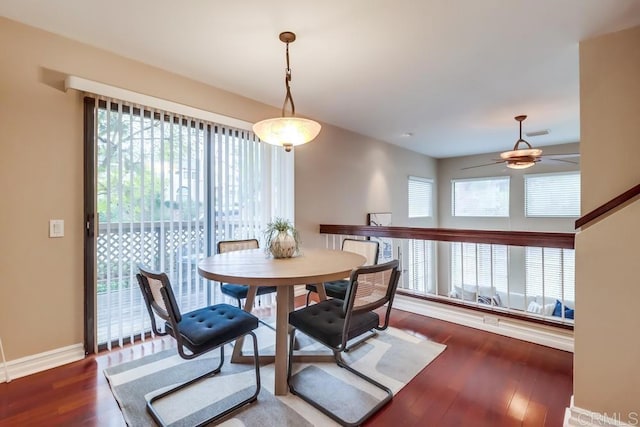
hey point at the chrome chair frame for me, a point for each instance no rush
(349, 313)
(167, 309)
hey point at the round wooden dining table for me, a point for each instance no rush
(254, 267)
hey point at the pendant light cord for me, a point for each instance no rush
(288, 98)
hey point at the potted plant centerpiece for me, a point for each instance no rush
(282, 239)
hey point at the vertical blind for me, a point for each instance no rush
(552, 195)
(168, 189)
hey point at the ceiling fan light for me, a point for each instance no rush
(287, 131)
(531, 152)
(520, 164)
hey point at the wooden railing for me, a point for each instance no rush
(512, 238)
(609, 206)
(422, 280)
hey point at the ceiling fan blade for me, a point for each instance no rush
(573, 162)
(561, 156)
(481, 166)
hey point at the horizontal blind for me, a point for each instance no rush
(421, 268)
(480, 197)
(420, 197)
(552, 195)
(550, 273)
(477, 265)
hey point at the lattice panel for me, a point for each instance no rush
(118, 253)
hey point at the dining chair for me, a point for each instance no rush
(334, 322)
(196, 332)
(338, 288)
(240, 292)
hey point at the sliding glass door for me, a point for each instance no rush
(166, 189)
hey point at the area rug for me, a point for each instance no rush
(393, 358)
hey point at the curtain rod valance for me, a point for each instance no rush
(78, 83)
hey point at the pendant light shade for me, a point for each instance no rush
(287, 131)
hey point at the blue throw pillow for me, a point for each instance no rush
(568, 313)
(557, 311)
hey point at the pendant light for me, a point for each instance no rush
(287, 131)
(521, 158)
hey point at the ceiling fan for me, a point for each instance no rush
(523, 154)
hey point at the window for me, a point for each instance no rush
(550, 272)
(552, 195)
(421, 271)
(168, 188)
(479, 265)
(420, 197)
(480, 197)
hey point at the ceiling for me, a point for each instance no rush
(452, 73)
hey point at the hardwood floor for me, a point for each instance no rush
(481, 379)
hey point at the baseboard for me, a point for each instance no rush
(574, 416)
(42, 361)
(540, 334)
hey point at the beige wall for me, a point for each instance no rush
(344, 176)
(607, 340)
(41, 171)
(452, 168)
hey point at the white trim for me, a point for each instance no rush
(78, 83)
(7, 377)
(574, 416)
(42, 361)
(514, 328)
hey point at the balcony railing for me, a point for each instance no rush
(527, 275)
(172, 246)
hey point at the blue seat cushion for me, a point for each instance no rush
(569, 313)
(240, 291)
(334, 289)
(325, 322)
(208, 327)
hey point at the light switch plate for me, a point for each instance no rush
(56, 228)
